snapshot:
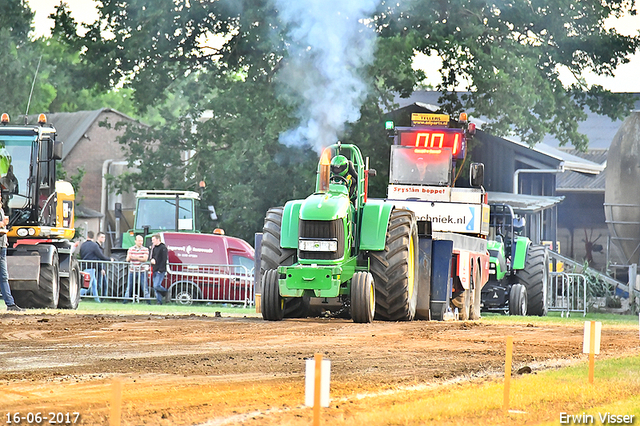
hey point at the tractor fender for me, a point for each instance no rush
(289, 225)
(519, 253)
(374, 224)
(46, 251)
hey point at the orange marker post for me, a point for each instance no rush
(316, 392)
(591, 344)
(592, 351)
(116, 402)
(507, 374)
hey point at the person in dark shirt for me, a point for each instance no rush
(159, 264)
(91, 252)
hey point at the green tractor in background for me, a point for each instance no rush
(340, 249)
(162, 211)
(519, 269)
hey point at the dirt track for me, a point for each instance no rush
(207, 370)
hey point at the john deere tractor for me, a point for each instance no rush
(519, 269)
(338, 247)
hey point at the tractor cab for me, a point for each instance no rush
(38, 206)
(420, 166)
(501, 238)
(504, 229)
(162, 211)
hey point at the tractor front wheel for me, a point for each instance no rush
(363, 297)
(70, 287)
(272, 256)
(272, 302)
(518, 300)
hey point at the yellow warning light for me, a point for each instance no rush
(42, 119)
(5, 118)
(463, 116)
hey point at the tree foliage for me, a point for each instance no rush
(510, 53)
(45, 74)
(181, 58)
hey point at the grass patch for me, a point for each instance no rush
(89, 306)
(555, 318)
(535, 399)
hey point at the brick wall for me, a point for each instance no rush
(98, 145)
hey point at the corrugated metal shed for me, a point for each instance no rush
(524, 204)
(581, 182)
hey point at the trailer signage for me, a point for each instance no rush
(447, 217)
(426, 193)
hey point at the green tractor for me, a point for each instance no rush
(339, 248)
(519, 269)
(162, 211)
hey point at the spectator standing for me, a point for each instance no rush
(159, 264)
(101, 272)
(91, 254)
(137, 255)
(4, 274)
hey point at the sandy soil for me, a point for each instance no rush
(221, 371)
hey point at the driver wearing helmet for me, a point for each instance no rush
(519, 222)
(340, 166)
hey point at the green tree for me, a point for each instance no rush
(19, 59)
(228, 57)
(508, 53)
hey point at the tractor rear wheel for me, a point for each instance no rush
(518, 300)
(535, 277)
(395, 269)
(272, 303)
(272, 256)
(363, 297)
(117, 275)
(70, 287)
